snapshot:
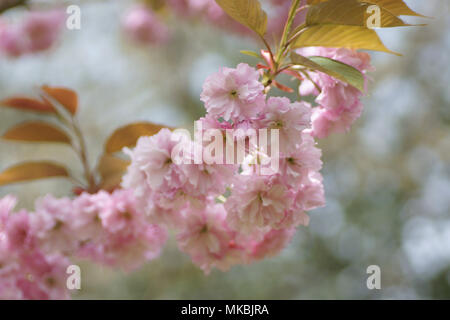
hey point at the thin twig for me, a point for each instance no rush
(268, 48)
(307, 76)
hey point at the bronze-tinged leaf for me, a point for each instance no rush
(396, 7)
(66, 97)
(350, 13)
(112, 182)
(111, 170)
(110, 165)
(246, 12)
(28, 104)
(334, 68)
(336, 36)
(29, 171)
(128, 135)
(35, 131)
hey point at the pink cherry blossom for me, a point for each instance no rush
(326, 121)
(272, 243)
(42, 29)
(234, 93)
(207, 238)
(144, 27)
(120, 214)
(87, 224)
(52, 224)
(152, 160)
(339, 102)
(38, 32)
(289, 118)
(126, 250)
(311, 193)
(26, 272)
(203, 179)
(127, 240)
(19, 232)
(297, 164)
(257, 202)
(43, 277)
(209, 10)
(11, 40)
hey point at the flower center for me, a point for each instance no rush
(260, 197)
(127, 215)
(204, 229)
(58, 225)
(50, 281)
(277, 124)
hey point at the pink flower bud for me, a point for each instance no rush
(43, 29)
(144, 27)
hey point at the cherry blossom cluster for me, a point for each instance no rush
(339, 103)
(222, 213)
(35, 247)
(225, 214)
(38, 31)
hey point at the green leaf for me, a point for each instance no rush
(250, 53)
(334, 68)
(246, 12)
(347, 73)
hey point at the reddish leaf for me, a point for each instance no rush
(111, 165)
(266, 55)
(261, 66)
(28, 104)
(282, 87)
(37, 132)
(293, 74)
(111, 183)
(66, 97)
(28, 171)
(128, 135)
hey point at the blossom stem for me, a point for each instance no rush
(287, 29)
(283, 47)
(80, 149)
(92, 186)
(313, 82)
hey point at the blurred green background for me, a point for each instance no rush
(387, 181)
